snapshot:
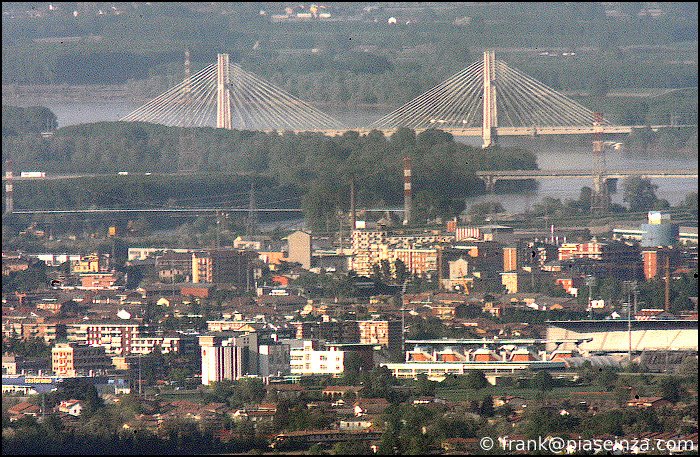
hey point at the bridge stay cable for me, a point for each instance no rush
(517, 105)
(255, 104)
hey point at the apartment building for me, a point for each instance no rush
(174, 266)
(310, 360)
(148, 344)
(115, 337)
(384, 333)
(419, 261)
(70, 360)
(368, 247)
(228, 357)
(92, 263)
(224, 266)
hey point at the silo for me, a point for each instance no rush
(659, 235)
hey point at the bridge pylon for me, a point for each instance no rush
(223, 94)
(490, 118)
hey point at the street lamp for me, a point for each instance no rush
(590, 281)
(403, 318)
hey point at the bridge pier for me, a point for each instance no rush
(490, 182)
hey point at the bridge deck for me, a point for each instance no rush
(499, 131)
(525, 174)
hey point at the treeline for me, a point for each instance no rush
(177, 437)
(34, 119)
(317, 168)
(152, 192)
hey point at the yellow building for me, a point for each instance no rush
(68, 359)
(369, 247)
(86, 264)
(511, 281)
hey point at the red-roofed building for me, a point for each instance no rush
(23, 409)
(648, 402)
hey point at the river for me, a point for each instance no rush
(549, 156)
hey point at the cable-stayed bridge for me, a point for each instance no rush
(487, 99)
(226, 96)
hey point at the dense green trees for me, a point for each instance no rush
(672, 388)
(475, 379)
(481, 211)
(640, 194)
(33, 278)
(307, 168)
(417, 429)
(35, 119)
(650, 293)
(238, 393)
(30, 347)
(543, 381)
(104, 431)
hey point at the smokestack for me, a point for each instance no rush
(9, 202)
(407, 203)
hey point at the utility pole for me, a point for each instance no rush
(139, 375)
(589, 282)
(187, 157)
(218, 223)
(403, 319)
(113, 260)
(629, 321)
(407, 193)
(9, 192)
(667, 283)
(353, 211)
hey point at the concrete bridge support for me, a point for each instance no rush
(223, 94)
(490, 119)
(490, 182)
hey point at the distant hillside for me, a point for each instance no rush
(355, 57)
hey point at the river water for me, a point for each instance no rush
(549, 156)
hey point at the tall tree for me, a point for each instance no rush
(639, 193)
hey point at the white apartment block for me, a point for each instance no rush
(228, 357)
(144, 253)
(310, 361)
(370, 247)
(146, 345)
(116, 338)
